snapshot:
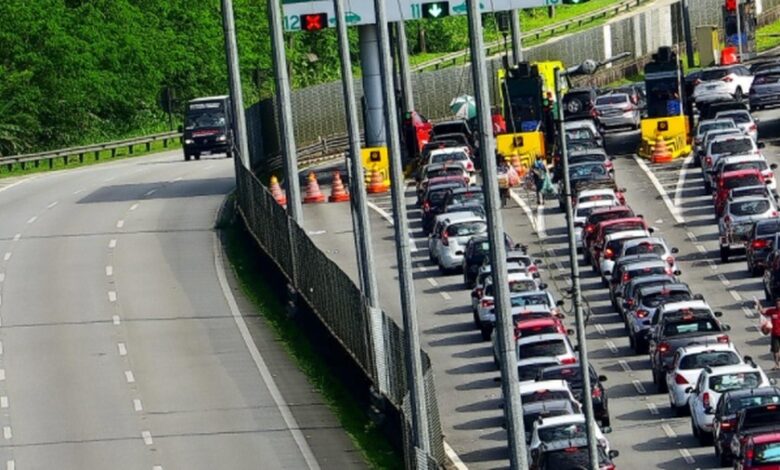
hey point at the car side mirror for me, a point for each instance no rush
(640, 216)
(726, 327)
(559, 303)
(773, 166)
(543, 286)
(772, 381)
(717, 314)
(675, 251)
(180, 128)
(576, 347)
(613, 454)
(538, 261)
(561, 315)
(602, 378)
(569, 332)
(606, 430)
(623, 190)
(518, 246)
(698, 296)
(761, 144)
(688, 389)
(607, 273)
(748, 358)
(651, 229)
(708, 410)
(677, 273)
(618, 294)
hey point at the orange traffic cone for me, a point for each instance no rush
(337, 191)
(661, 152)
(277, 193)
(377, 184)
(313, 193)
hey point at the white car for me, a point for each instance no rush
(554, 345)
(546, 390)
(526, 294)
(747, 162)
(439, 225)
(613, 245)
(712, 383)
(484, 278)
(709, 125)
(583, 129)
(657, 245)
(453, 155)
(453, 238)
(733, 81)
(563, 428)
(593, 195)
(687, 365)
(581, 213)
(725, 146)
(744, 121)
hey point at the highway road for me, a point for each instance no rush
(124, 343)
(672, 199)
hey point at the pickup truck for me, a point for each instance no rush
(754, 420)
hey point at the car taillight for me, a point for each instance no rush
(696, 82)
(670, 260)
(629, 109)
(680, 380)
(723, 339)
(626, 277)
(596, 393)
(609, 466)
(775, 213)
(445, 239)
(533, 269)
(641, 313)
(727, 79)
(426, 206)
(705, 398)
(749, 455)
(487, 303)
(608, 253)
(630, 302)
(759, 244)
(663, 348)
(589, 228)
(569, 360)
(726, 425)
(479, 292)
(708, 161)
(727, 219)
(753, 127)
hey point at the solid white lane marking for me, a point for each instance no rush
(640, 389)
(4, 402)
(624, 365)
(652, 409)
(157, 467)
(262, 368)
(32, 219)
(687, 456)
(678, 190)
(109, 179)
(7, 256)
(137, 405)
(122, 349)
(120, 223)
(52, 204)
(115, 319)
(10, 465)
(150, 192)
(9, 186)
(1, 301)
(669, 431)
(385, 215)
(454, 458)
(134, 207)
(17, 237)
(526, 209)
(701, 249)
(446, 296)
(147, 436)
(111, 296)
(613, 349)
(109, 271)
(674, 210)
(129, 376)
(7, 434)
(723, 280)
(692, 236)
(735, 295)
(112, 243)
(176, 179)
(433, 282)
(540, 221)
(1, 347)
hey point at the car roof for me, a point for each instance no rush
(596, 191)
(519, 277)
(440, 186)
(446, 150)
(765, 438)
(640, 241)
(686, 304)
(715, 120)
(740, 173)
(740, 159)
(457, 217)
(749, 199)
(673, 286)
(556, 384)
(720, 370)
(439, 166)
(730, 135)
(546, 405)
(537, 360)
(467, 189)
(626, 234)
(733, 111)
(610, 209)
(209, 98)
(645, 264)
(699, 348)
(542, 337)
(607, 223)
(558, 420)
(749, 392)
(596, 203)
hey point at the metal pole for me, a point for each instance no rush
(517, 42)
(234, 77)
(283, 94)
(413, 358)
(576, 293)
(374, 118)
(739, 30)
(686, 17)
(406, 71)
(360, 209)
(510, 386)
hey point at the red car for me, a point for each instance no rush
(539, 326)
(731, 180)
(760, 451)
(598, 216)
(608, 227)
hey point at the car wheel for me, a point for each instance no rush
(694, 429)
(725, 460)
(640, 346)
(767, 294)
(754, 270)
(477, 321)
(632, 344)
(724, 253)
(705, 438)
(187, 157)
(605, 421)
(586, 255)
(738, 94)
(680, 411)
(486, 331)
(197, 156)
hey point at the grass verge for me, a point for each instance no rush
(764, 42)
(364, 434)
(89, 159)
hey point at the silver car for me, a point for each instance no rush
(738, 218)
(656, 245)
(616, 111)
(744, 121)
(765, 90)
(705, 127)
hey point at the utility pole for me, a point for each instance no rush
(739, 29)
(576, 291)
(686, 18)
(234, 77)
(361, 221)
(283, 94)
(406, 72)
(413, 357)
(373, 115)
(517, 42)
(510, 386)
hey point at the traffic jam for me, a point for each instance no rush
(732, 404)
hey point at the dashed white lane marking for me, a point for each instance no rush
(7, 256)
(157, 467)
(678, 190)
(134, 207)
(129, 376)
(692, 237)
(122, 349)
(674, 210)
(52, 204)
(120, 223)
(32, 219)
(712, 264)
(446, 296)
(624, 365)
(701, 249)
(723, 280)
(526, 208)
(652, 409)
(669, 431)
(748, 313)
(612, 348)
(7, 434)
(1, 347)
(147, 436)
(735, 295)
(115, 319)
(10, 465)
(176, 179)
(137, 405)
(433, 282)
(687, 456)
(385, 215)
(79, 191)
(540, 221)
(111, 296)
(640, 389)
(262, 368)
(112, 243)
(600, 329)
(2, 374)
(454, 458)
(109, 271)
(150, 192)
(2, 277)
(109, 179)
(17, 237)
(1, 301)
(4, 402)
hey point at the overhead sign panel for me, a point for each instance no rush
(359, 12)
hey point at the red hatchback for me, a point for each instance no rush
(760, 451)
(598, 216)
(731, 180)
(538, 326)
(608, 227)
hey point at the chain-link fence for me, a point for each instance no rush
(340, 307)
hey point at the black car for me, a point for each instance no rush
(772, 276)
(725, 422)
(570, 454)
(752, 421)
(433, 203)
(455, 126)
(465, 195)
(579, 103)
(710, 110)
(573, 375)
(477, 253)
(760, 243)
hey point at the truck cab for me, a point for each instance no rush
(207, 127)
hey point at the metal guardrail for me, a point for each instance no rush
(66, 154)
(495, 47)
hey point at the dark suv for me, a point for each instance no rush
(578, 103)
(760, 244)
(772, 276)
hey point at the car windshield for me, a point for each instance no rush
(759, 165)
(737, 117)
(711, 126)
(734, 381)
(611, 99)
(749, 207)
(562, 432)
(522, 286)
(767, 227)
(533, 299)
(449, 156)
(645, 248)
(464, 229)
(665, 297)
(740, 403)
(748, 180)
(579, 134)
(597, 197)
(587, 170)
(205, 120)
(468, 196)
(713, 74)
(544, 395)
(765, 78)
(709, 359)
(545, 348)
(766, 453)
(731, 146)
(530, 371)
(587, 158)
(702, 325)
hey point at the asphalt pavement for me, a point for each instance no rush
(124, 341)
(645, 431)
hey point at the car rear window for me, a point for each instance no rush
(732, 146)
(597, 197)
(611, 99)
(766, 453)
(530, 371)
(530, 418)
(763, 79)
(536, 330)
(691, 326)
(447, 157)
(610, 215)
(749, 207)
(646, 248)
(544, 395)
(740, 403)
(587, 170)
(579, 134)
(468, 196)
(622, 227)
(751, 165)
(770, 226)
(737, 117)
(749, 180)
(464, 229)
(563, 432)
(546, 348)
(704, 128)
(531, 299)
(716, 74)
(654, 300)
(522, 286)
(709, 359)
(734, 381)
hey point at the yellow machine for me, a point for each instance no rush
(376, 159)
(674, 130)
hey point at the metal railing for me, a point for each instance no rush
(495, 47)
(66, 154)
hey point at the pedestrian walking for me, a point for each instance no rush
(770, 324)
(539, 172)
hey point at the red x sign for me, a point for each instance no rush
(314, 21)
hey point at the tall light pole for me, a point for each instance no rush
(234, 77)
(517, 41)
(510, 385)
(739, 29)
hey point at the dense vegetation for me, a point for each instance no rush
(83, 71)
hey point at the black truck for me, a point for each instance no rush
(207, 127)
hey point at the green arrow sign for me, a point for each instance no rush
(436, 9)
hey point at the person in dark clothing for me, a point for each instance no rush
(773, 327)
(539, 172)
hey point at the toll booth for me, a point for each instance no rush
(526, 112)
